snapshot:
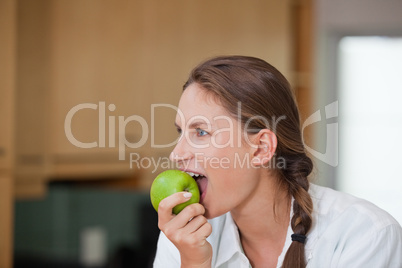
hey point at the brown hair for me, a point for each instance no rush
(264, 93)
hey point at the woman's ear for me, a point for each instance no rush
(266, 142)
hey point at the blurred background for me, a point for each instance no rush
(86, 105)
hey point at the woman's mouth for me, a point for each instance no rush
(202, 182)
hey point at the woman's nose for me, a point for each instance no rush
(178, 158)
(181, 153)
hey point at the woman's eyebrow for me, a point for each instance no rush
(195, 124)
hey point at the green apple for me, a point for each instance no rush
(170, 182)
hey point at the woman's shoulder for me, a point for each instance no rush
(347, 230)
(330, 205)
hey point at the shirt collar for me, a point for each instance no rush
(230, 241)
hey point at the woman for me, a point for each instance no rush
(241, 140)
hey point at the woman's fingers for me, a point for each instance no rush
(166, 206)
(204, 231)
(190, 212)
(179, 224)
(195, 224)
(188, 230)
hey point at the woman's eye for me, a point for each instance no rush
(201, 132)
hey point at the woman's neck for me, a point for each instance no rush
(263, 221)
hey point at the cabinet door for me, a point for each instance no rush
(32, 91)
(7, 90)
(7, 82)
(100, 89)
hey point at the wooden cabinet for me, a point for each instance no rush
(6, 210)
(7, 82)
(7, 91)
(102, 77)
(91, 75)
(303, 28)
(303, 25)
(32, 97)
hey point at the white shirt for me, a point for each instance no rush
(346, 232)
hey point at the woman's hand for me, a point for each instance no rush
(187, 231)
